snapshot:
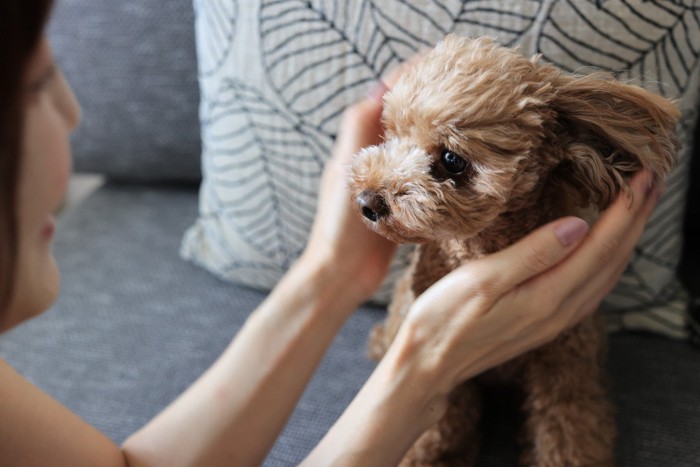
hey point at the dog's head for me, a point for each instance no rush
(475, 131)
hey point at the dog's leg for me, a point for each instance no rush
(454, 441)
(570, 421)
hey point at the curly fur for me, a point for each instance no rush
(539, 144)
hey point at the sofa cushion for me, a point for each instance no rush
(276, 75)
(135, 325)
(133, 68)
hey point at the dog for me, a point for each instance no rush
(482, 146)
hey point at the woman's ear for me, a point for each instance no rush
(612, 130)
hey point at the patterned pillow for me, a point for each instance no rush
(275, 76)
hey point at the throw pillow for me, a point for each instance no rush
(275, 75)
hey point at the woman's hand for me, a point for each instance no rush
(339, 239)
(510, 302)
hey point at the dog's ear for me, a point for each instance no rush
(610, 131)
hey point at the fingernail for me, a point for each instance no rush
(571, 230)
(377, 90)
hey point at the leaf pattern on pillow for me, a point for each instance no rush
(607, 36)
(254, 146)
(215, 30)
(502, 20)
(411, 25)
(297, 64)
(320, 56)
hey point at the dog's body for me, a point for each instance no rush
(482, 147)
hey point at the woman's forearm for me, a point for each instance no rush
(235, 411)
(399, 402)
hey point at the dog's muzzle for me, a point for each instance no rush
(372, 205)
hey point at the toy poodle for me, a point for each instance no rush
(482, 146)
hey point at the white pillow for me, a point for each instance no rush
(276, 75)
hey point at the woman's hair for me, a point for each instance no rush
(21, 26)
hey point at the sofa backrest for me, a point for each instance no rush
(133, 67)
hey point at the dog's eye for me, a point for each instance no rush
(453, 163)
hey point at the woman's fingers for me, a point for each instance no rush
(482, 282)
(572, 284)
(537, 252)
(587, 297)
(607, 247)
(359, 127)
(574, 288)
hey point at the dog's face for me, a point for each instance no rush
(475, 131)
(463, 130)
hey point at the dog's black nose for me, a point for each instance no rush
(372, 205)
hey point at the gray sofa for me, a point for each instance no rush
(135, 324)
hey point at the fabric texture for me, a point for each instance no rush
(135, 325)
(133, 68)
(276, 75)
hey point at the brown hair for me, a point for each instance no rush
(21, 26)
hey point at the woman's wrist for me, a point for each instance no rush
(418, 366)
(397, 404)
(406, 383)
(333, 278)
(315, 280)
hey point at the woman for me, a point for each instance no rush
(233, 413)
